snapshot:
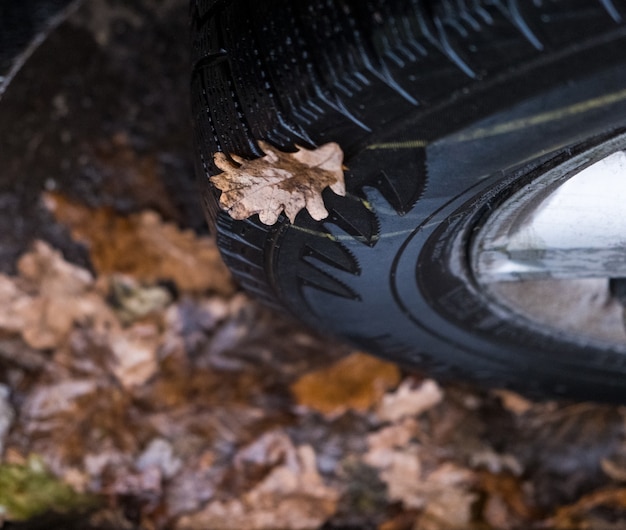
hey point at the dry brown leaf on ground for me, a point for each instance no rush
(405, 520)
(615, 466)
(135, 354)
(143, 246)
(450, 499)
(409, 400)
(395, 436)
(269, 449)
(442, 492)
(507, 504)
(48, 298)
(598, 509)
(50, 404)
(14, 297)
(401, 470)
(513, 402)
(145, 476)
(292, 495)
(356, 382)
(490, 460)
(444, 496)
(279, 181)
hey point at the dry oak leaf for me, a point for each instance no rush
(143, 246)
(581, 513)
(279, 181)
(355, 382)
(444, 495)
(293, 495)
(48, 297)
(408, 401)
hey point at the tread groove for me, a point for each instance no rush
(611, 9)
(519, 21)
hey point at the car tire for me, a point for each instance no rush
(443, 110)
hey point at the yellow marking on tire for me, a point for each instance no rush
(410, 144)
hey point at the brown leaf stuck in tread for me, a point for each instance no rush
(143, 246)
(355, 382)
(280, 181)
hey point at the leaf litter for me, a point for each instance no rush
(150, 393)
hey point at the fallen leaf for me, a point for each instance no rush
(146, 484)
(356, 382)
(159, 454)
(293, 495)
(12, 318)
(409, 401)
(444, 494)
(497, 514)
(401, 471)
(450, 498)
(578, 514)
(48, 298)
(513, 402)
(96, 464)
(402, 521)
(135, 354)
(48, 401)
(253, 462)
(495, 462)
(615, 467)
(551, 441)
(506, 504)
(279, 181)
(397, 435)
(270, 449)
(143, 246)
(67, 419)
(191, 488)
(363, 502)
(15, 352)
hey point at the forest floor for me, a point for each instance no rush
(141, 389)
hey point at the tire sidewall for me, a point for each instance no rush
(415, 290)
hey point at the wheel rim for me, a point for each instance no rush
(550, 249)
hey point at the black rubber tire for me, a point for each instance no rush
(441, 108)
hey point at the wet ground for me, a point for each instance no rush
(99, 113)
(140, 389)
